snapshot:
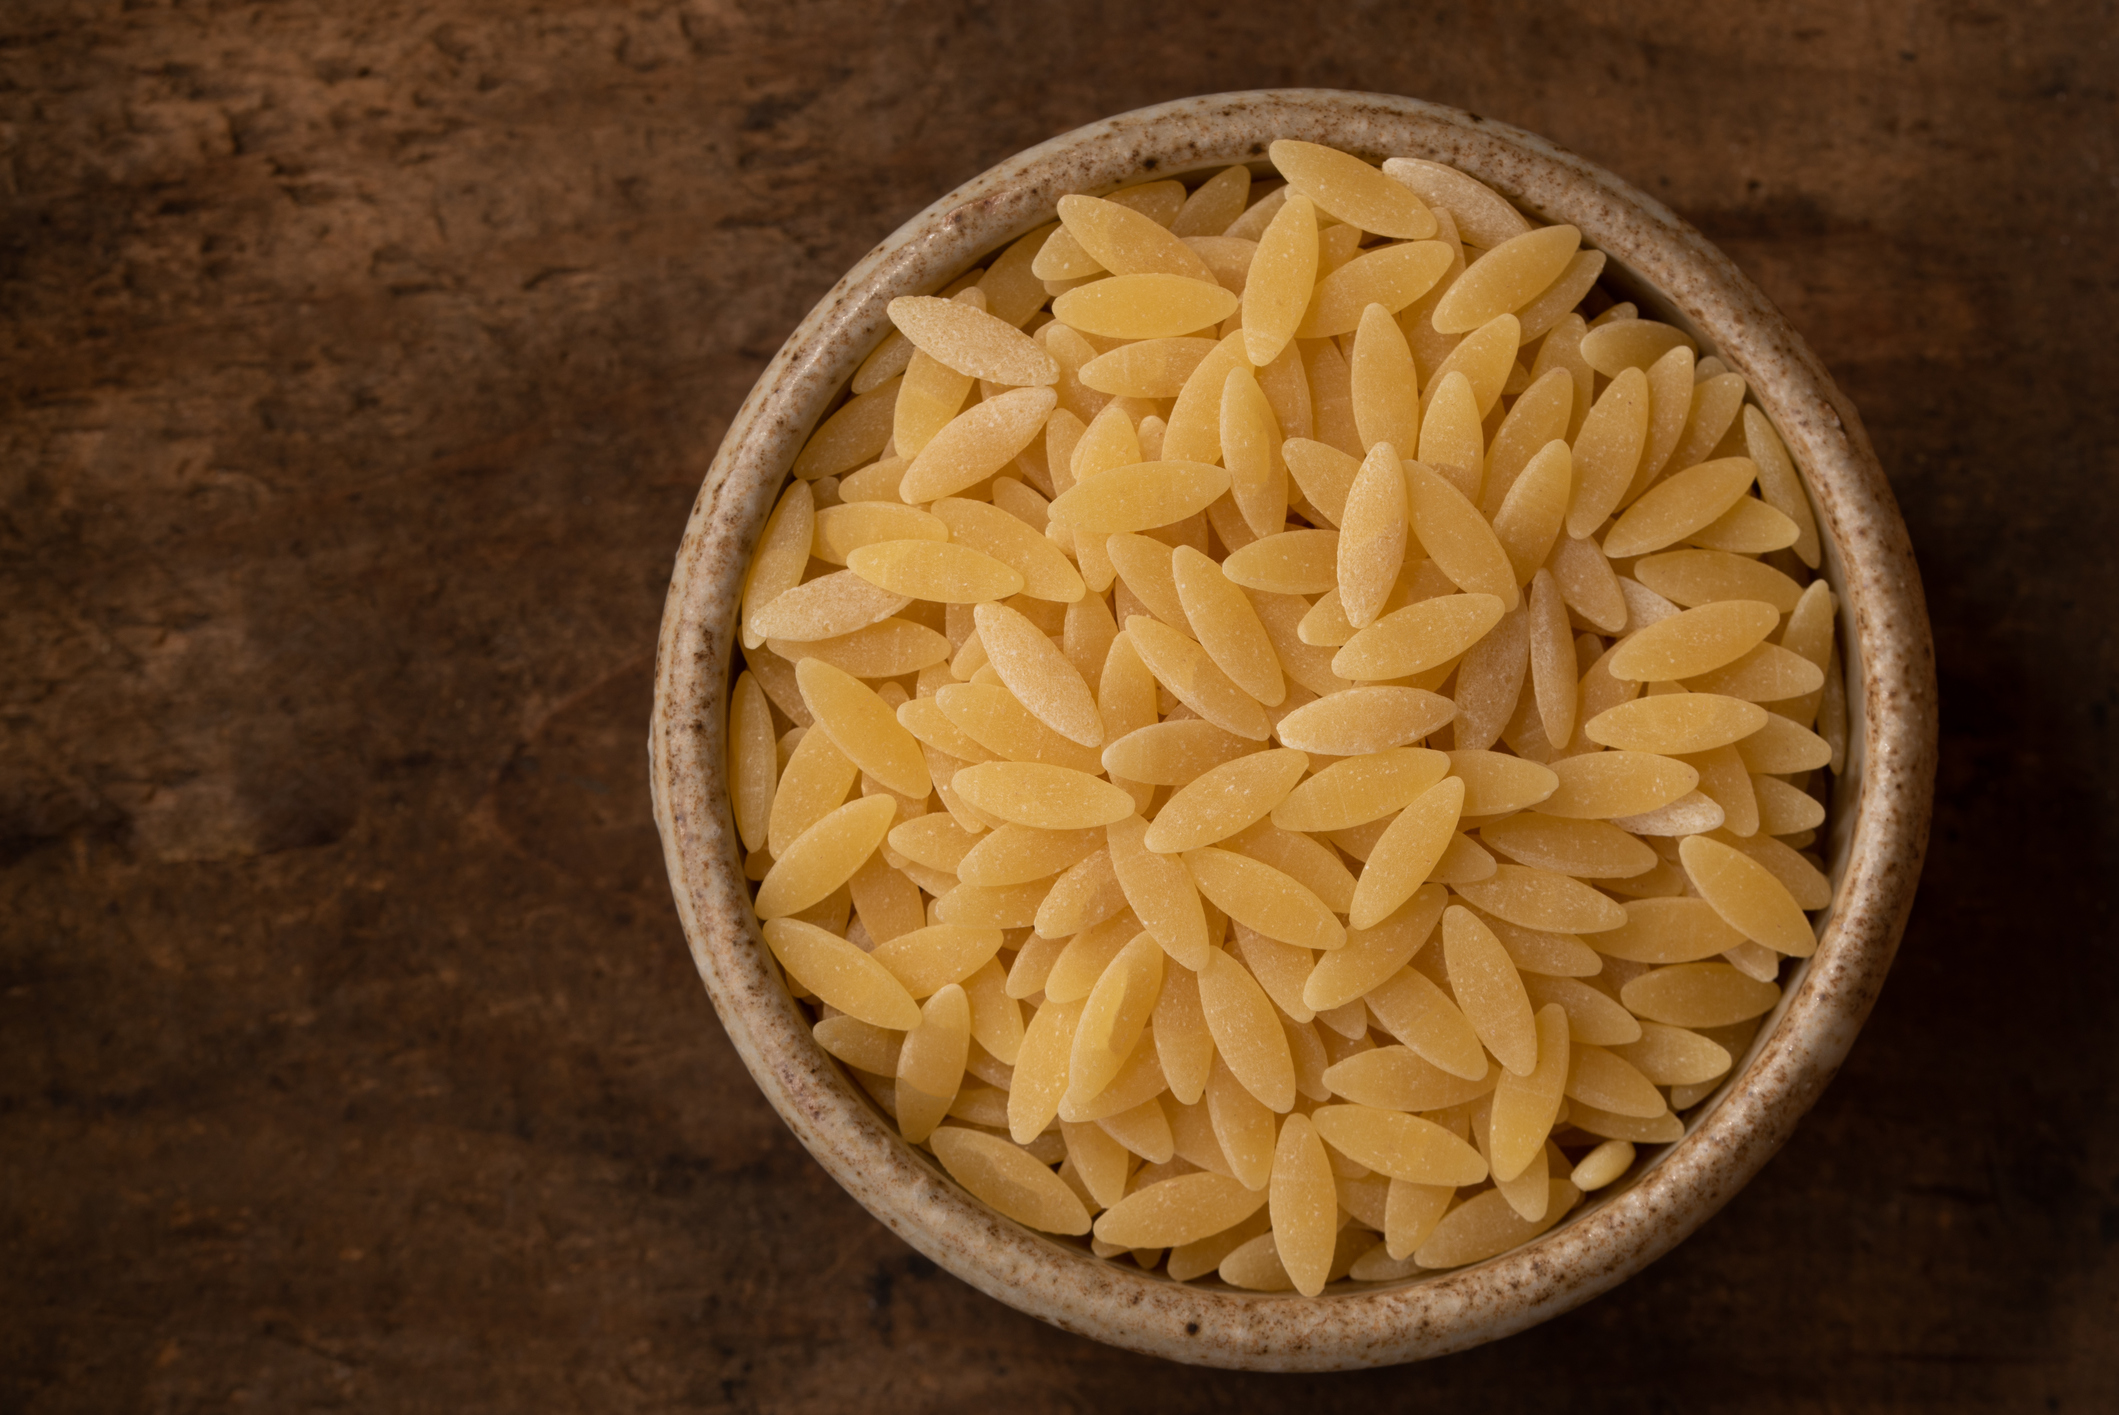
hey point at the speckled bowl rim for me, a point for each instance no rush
(1880, 817)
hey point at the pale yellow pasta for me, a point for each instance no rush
(1017, 854)
(1161, 893)
(1670, 392)
(1083, 895)
(1747, 896)
(1116, 1011)
(1486, 357)
(1363, 719)
(1398, 1078)
(1374, 528)
(929, 395)
(1587, 849)
(1157, 306)
(1227, 626)
(863, 727)
(1461, 542)
(1407, 852)
(824, 857)
(1225, 799)
(931, 1063)
(1526, 1103)
(1303, 562)
(1401, 1146)
(1782, 748)
(1352, 190)
(1691, 578)
(1766, 673)
(1593, 1015)
(1506, 278)
(1750, 527)
(1624, 344)
(1041, 795)
(752, 761)
(1325, 474)
(1552, 660)
(1282, 276)
(935, 956)
(1607, 450)
(851, 436)
(884, 650)
(1540, 899)
(1323, 727)
(1414, 1009)
(1483, 214)
(1390, 276)
(1698, 995)
(999, 724)
(1214, 204)
(1144, 566)
(1263, 898)
(1173, 753)
(976, 443)
(1673, 1056)
(1674, 724)
(1149, 368)
(1250, 437)
(1566, 291)
(1602, 1165)
(1588, 584)
(1041, 1070)
(1010, 1179)
(1179, 1210)
(1452, 439)
(1360, 789)
(1304, 1206)
(783, 552)
(1695, 641)
(1785, 810)
(1384, 383)
(1538, 418)
(1193, 678)
(1373, 955)
(1247, 1034)
(1150, 495)
(1726, 782)
(1125, 241)
(1715, 402)
(1035, 670)
(1680, 505)
(1779, 484)
(824, 608)
(1331, 393)
(992, 532)
(938, 571)
(1419, 637)
(966, 338)
(841, 974)
(1485, 1225)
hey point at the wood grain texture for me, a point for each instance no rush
(360, 363)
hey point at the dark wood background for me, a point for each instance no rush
(360, 362)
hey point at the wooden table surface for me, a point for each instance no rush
(361, 362)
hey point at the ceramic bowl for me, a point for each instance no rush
(1879, 820)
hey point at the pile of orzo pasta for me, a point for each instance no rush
(1282, 730)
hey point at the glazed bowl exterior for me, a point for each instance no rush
(1878, 825)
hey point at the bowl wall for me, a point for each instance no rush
(1879, 821)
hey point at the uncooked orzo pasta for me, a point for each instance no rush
(1282, 731)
